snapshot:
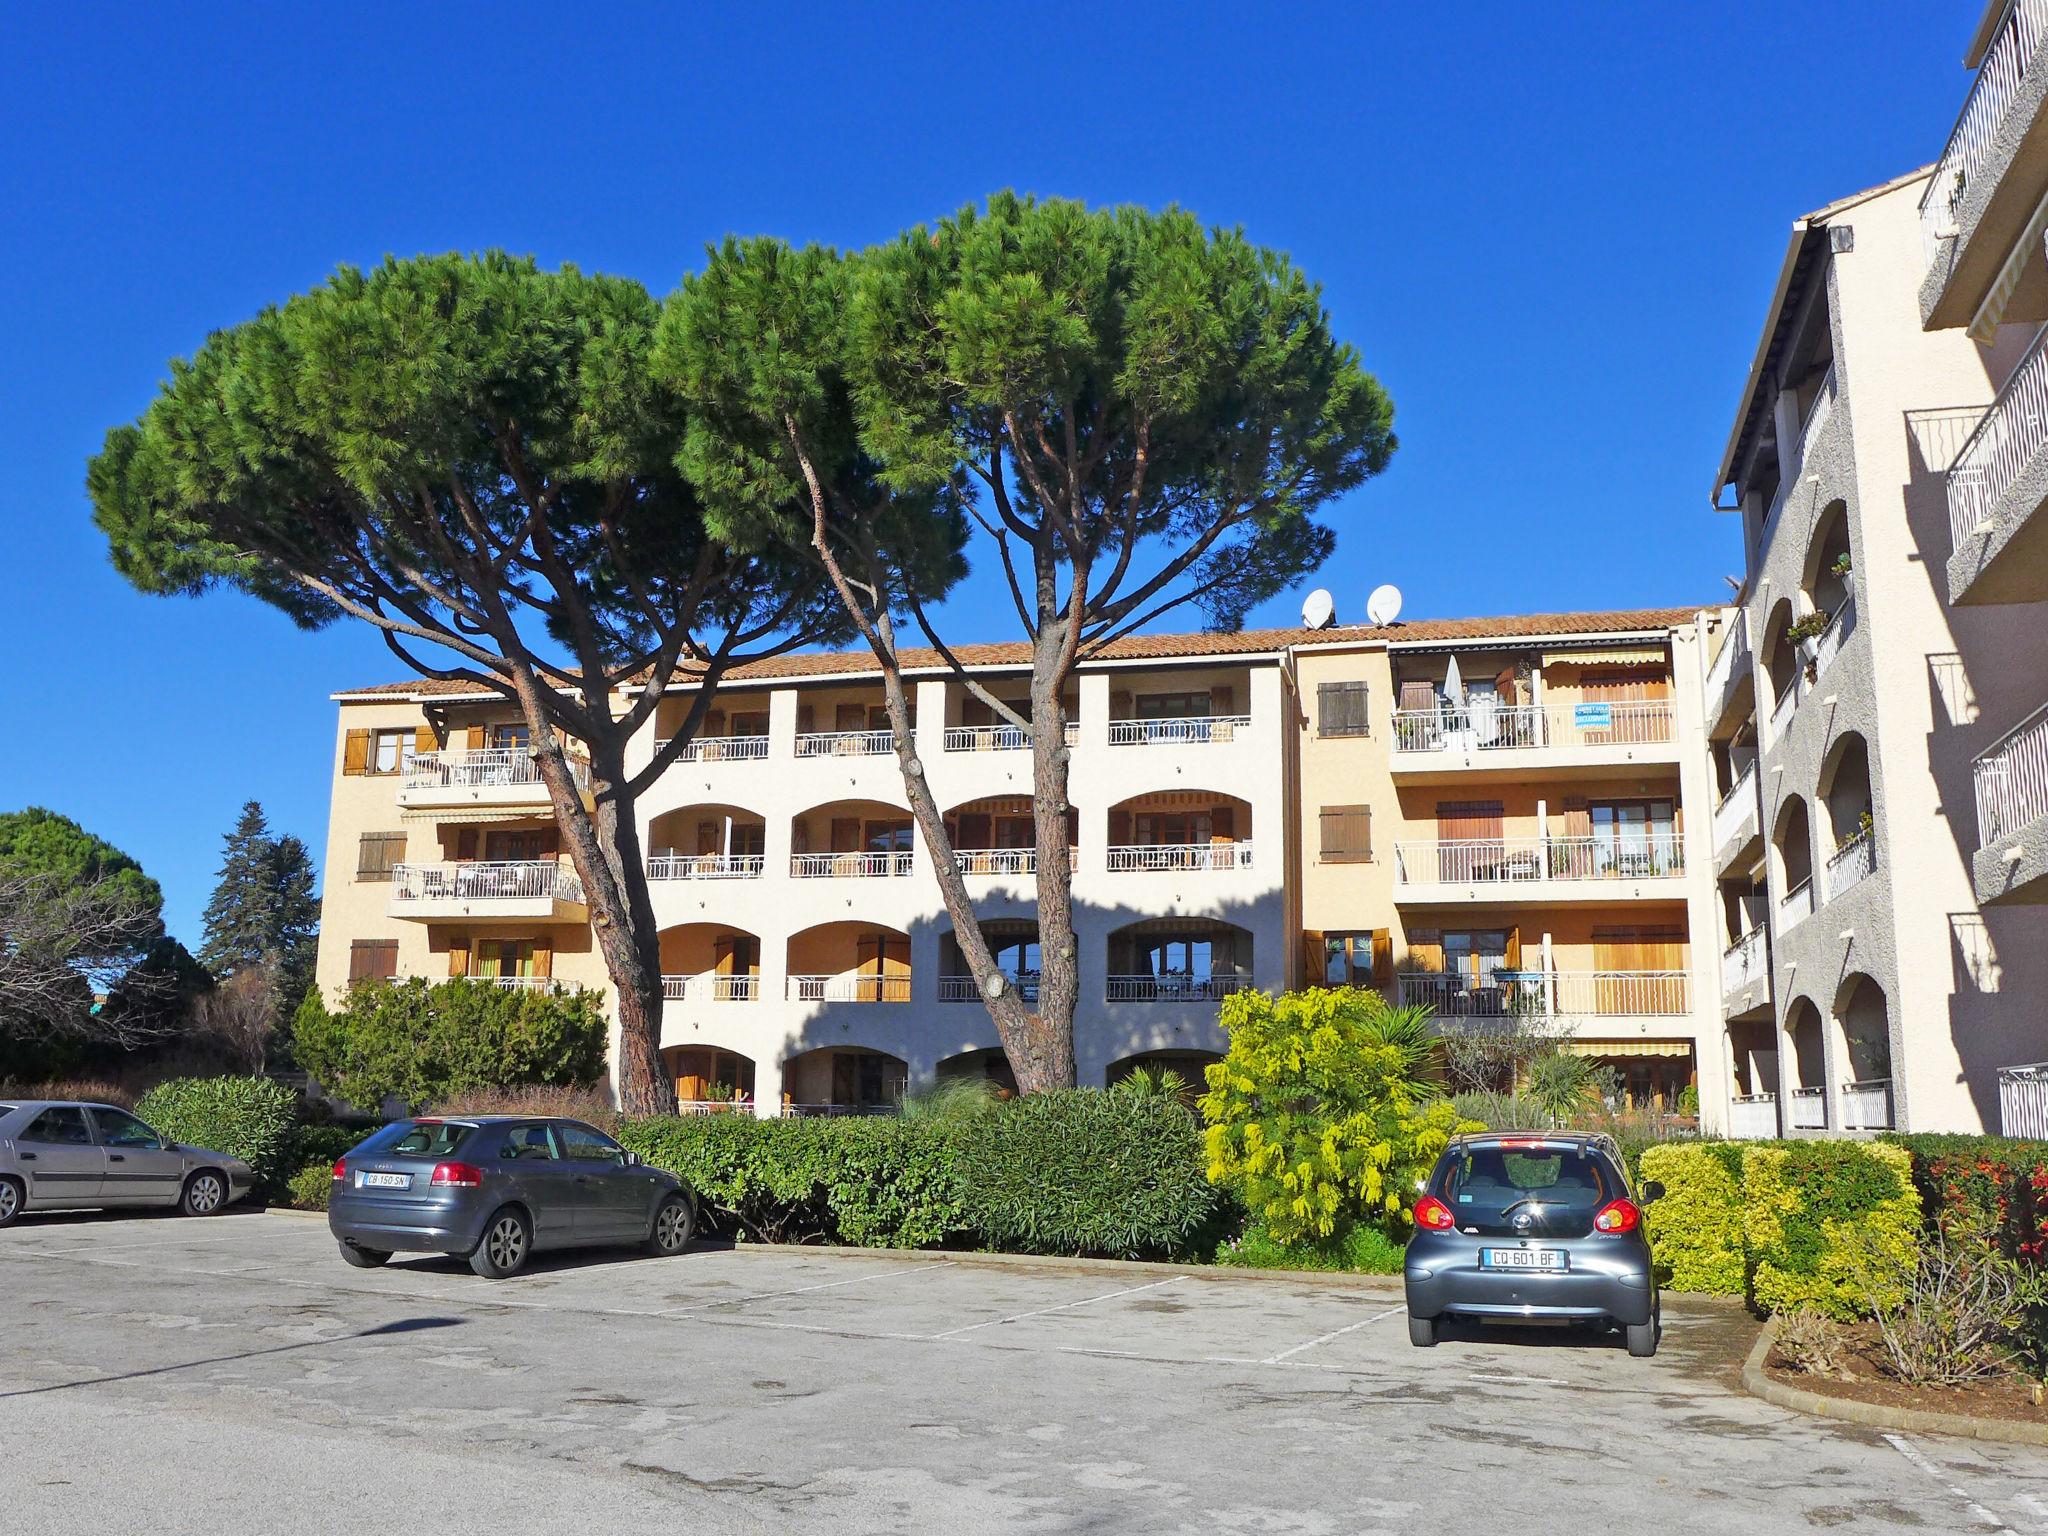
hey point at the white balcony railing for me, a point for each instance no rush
(1984, 109)
(849, 987)
(1180, 856)
(961, 989)
(2012, 432)
(1808, 1109)
(711, 987)
(849, 866)
(1172, 988)
(1532, 860)
(524, 880)
(1754, 1118)
(1179, 729)
(1737, 809)
(1867, 1106)
(482, 768)
(1841, 625)
(1852, 863)
(1002, 861)
(1743, 962)
(1796, 906)
(1787, 701)
(1549, 994)
(2012, 779)
(2023, 1101)
(526, 983)
(719, 749)
(1731, 662)
(845, 743)
(1484, 726)
(997, 738)
(705, 866)
(1818, 409)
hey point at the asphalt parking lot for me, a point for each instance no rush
(232, 1375)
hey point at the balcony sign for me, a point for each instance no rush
(1593, 717)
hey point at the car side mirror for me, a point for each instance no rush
(632, 1159)
(1652, 1191)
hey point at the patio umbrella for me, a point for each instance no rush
(1454, 686)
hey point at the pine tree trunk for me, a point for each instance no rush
(1059, 976)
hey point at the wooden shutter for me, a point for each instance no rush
(465, 843)
(543, 957)
(1221, 700)
(478, 738)
(973, 712)
(1383, 957)
(849, 717)
(1418, 695)
(372, 960)
(376, 852)
(550, 843)
(1119, 829)
(845, 834)
(458, 957)
(806, 719)
(1426, 949)
(714, 723)
(1469, 820)
(1223, 824)
(1342, 709)
(355, 752)
(1315, 958)
(423, 739)
(1504, 686)
(974, 831)
(1346, 834)
(1514, 949)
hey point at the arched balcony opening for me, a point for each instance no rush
(1178, 959)
(1012, 943)
(988, 1066)
(710, 963)
(1753, 1054)
(1826, 579)
(710, 1080)
(1190, 1067)
(1784, 667)
(1807, 1041)
(1180, 829)
(1792, 862)
(1845, 795)
(851, 840)
(707, 842)
(996, 835)
(843, 1080)
(1863, 1023)
(849, 962)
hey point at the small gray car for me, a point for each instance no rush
(66, 1156)
(1532, 1227)
(496, 1189)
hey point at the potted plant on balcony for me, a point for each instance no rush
(1841, 567)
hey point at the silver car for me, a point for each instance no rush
(67, 1156)
(496, 1189)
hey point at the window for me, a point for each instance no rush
(1175, 829)
(1347, 834)
(118, 1128)
(1173, 706)
(1348, 958)
(422, 1138)
(388, 750)
(372, 960)
(61, 1127)
(581, 1144)
(1341, 710)
(527, 1144)
(511, 738)
(376, 852)
(505, 957)
(888, 837)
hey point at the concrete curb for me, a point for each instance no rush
(1965, 1426)
(1382, 1285)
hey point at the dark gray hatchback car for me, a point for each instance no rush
(496, 1189)
(1532, 1227)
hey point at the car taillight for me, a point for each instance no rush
(457, 1176)
(1432, 1215)
(1617, 1216)
(340, 1170)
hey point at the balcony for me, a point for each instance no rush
(483, 776)
(849, 866)
(2023, 1101)
(1808, 1109)
(1996, 486)
(545, 889)
(997, 738)
(1730, 670)
(845, 743)
(961, 989)
(1178, 730)
(1172, 988)
(1557, 995)
(849, 987)
(1176, 857)
(711, 987)
(1796, 906)
(1852, 863)
(705, 866)
(719, 749)
(1754, 1117)
(1482, 732)
(1787, 703)
(1736, 823)
(1538, 868)
(2011, 863)
(1745, 965)
(1841, 625)
(1867, 1106)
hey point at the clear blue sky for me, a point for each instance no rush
(1551, 230)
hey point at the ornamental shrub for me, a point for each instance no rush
(1361, 1248)
(1992, 1184)
(1320, 1116)
(247, 1117)
(1695, 1230)
(1083, 1171)
(1803, 1200)
(310, 1187)
(424, 1042)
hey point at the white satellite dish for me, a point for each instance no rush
(1318, 610)
(1384, 606)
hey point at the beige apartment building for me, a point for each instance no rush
(1875, 704)
(1485, 815)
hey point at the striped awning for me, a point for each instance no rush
(1628, 1047)
(1991, 313)
(1612, 656)
(480, 813)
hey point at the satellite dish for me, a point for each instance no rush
(1319, 610)
(1384, 606)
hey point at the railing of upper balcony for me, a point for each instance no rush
(2012, 432)
(1520, 860)
(1867, 1106)
(961, 989)
(2023, 1100)
(1796, 906)
(481, 768)
(1852, 863)
(1754, 1117)
(1171, 988)
(478, 881)
(1005, 861)
(1486, 726)
(719, 749)
(1841, 625)
(845, 743)
(1177, 730)
(848, 988)
(1180, 856)
(1818, 409)
(1743, 962)
(1736, 809)
(1548, 994)
(1787, 702)
(997, 738)
(705, 866)
(525, 983)
(2012, 779)
(1969, 143)
(710, 987)
(849, 866)
(1808, 1109)
(1731, 662)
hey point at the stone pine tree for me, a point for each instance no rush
(1127, 412)
(263, 916)
(471, 455)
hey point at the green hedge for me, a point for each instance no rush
(1993, 1184)
(310, 1187)
(247, 1117)
(1695, 1230)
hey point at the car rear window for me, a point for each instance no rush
(420, 1138)
(1486, 1182)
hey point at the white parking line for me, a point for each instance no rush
(800, 1290)
(1912, 1453)
(1334, 1333)
(1067, 1306)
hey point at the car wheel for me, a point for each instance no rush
(1421, 1331)
(504, 1247)
(364, 1258)
(1642, 1337)
(10, 1201)
(206, 1192)
(673, 1225)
